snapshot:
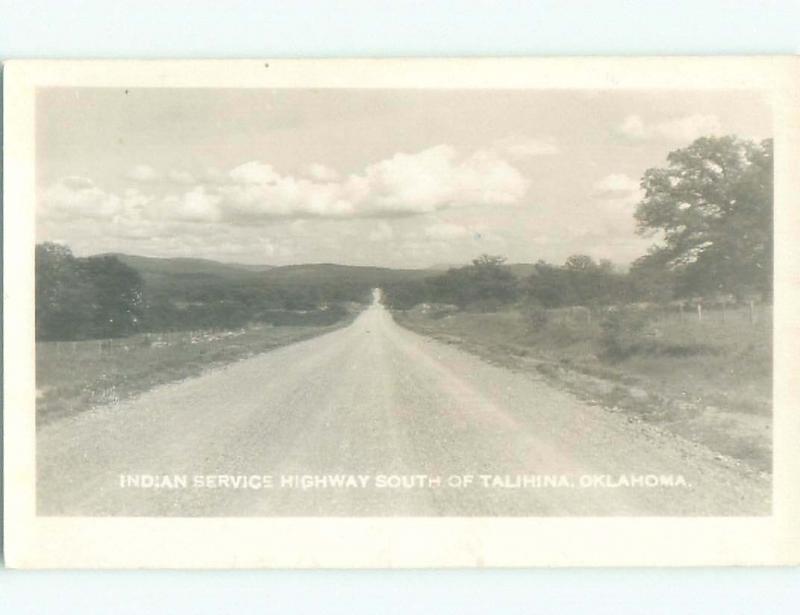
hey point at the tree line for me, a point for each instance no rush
(97, 297)
(489, 284)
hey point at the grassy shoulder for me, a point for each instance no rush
(707, 380)
(72, 377)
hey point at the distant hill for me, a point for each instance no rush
(252, 267)
(521, 270)
(164, 272)
(328, 272)
(188, 266)
(154, 268)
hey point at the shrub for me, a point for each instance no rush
(621, 331)
(538, 317)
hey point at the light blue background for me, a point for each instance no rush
(236, 28)
(197, 28)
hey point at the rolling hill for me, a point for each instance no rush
(162, 271)
(188, 266)
(328, 272)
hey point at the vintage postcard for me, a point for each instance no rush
(401, 313)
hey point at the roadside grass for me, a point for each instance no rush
(708, 380)
(72, 377)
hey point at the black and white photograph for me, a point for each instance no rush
(312, 300)
(389, 302)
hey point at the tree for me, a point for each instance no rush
(581, 281)
(62, 295)
(550, 286)
(580, 262)
(588, 280)
(117, 306)
(484, 285)
(488, 284)
(487, 262)
(82, 298)
(650, 279)
(713, 204)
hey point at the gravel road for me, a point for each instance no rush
(408, 425)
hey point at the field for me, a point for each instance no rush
(707, 380)
(72, 377)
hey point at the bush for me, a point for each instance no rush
(621, 331)
(538, 317)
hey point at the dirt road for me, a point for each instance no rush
(373, 419)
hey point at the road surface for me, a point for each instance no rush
(373, 419)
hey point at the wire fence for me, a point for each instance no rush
(750, 312)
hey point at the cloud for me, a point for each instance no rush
(143, 173)
(526, 147)
(78, 197)
(684, 129)
(446, 230)
(616, 186)
(197, 205)
(406, 184)
(253, 172)
(255, 202)
(320, 172)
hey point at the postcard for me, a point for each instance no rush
(401, 313)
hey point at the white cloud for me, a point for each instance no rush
(143, 173)
(405, 184)
(446, 230)
(616, 186)
(683, 129)
(197, 205)
(253, 172)
(322, 173)
(633, 127)
(525, 147)
(78, 197)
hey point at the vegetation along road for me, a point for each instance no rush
(373, 419)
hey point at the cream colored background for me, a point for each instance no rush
(417, 542)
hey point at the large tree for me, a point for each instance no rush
(83, 298)
(713, 204)
(63, 295)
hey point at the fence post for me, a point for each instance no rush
(699, 311)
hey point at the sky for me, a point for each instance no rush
(396, 178)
